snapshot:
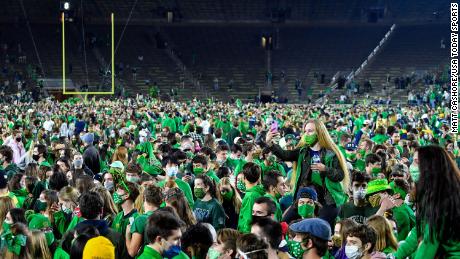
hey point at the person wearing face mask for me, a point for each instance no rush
(207, 209)
(64, 211)
(171, 167)
(361, 243)
(79, 167)
(230, 200)
(91, 154)
(135, 231)
(352, 160)
(108, 182)
(200, 166)
(306, 205)
(311, 239)
(6, 161)
(414, 168)
(358, 209)
(275, 187)
(133, 172)
(373, 165)
(124, 197)
(164, 232)
(270, 163)
(318, 163)
(16, 145)
(403, 215)
(251, 175)
(379, 195)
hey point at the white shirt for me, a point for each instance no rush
(205, 125)
(48, 125)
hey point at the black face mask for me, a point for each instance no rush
(36, 157)
(257, 218)
(18, 139)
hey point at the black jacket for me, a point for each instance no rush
(334, 173)
(92, 159)
(107, 232)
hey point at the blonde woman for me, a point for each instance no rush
(318, 164)
(63, 211)
(110, 209)
(230, 199)
(386, 240)
(38, 247)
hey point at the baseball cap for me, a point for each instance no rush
(307, 192)
(314, 226)
(351, 146)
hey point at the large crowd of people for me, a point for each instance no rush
(141, 178)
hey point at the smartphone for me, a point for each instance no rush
(274, 127)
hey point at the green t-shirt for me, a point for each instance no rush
(121, 221)
(210, 212)
(358, 214)
(150, 253)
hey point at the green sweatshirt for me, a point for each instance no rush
(245, 218)
(278, 213)
(405, 220)
(429, 249)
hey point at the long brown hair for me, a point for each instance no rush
(38, 245)
(176, 198)
(236, 199)
(384, 232)
(121, 154)
(325, 141)
(6, 204)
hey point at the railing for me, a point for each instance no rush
(353, 74)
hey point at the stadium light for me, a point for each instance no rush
(66, 6)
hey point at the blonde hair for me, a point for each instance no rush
(69, 193)
(236, 199)
(384, 232)
(39, 246)
(139, 202)
(109, 205)
(6, 204)
(121, 154)
(325, 141)
(227, 233)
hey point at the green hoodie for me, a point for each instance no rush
(245, 218)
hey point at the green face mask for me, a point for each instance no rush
(6, 227)
(306, 210)
(295, 249)
(117, 198)
(362, 152)
(198, 170)
(376, 170)
(241, 186)
(227, 195)
(199, 192)
(351, 156)
(310, 140)
(414, 172)
(213, 253)
(40, 206)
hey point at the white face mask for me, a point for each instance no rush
(359, 194)
(352, 252)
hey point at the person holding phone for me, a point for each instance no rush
(319, 164)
